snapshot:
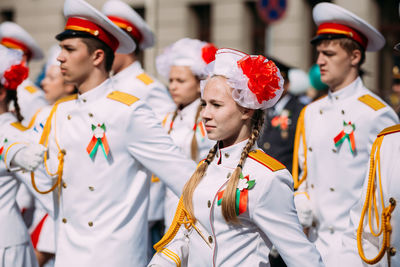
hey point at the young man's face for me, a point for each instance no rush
(334, 63)
(76, 62)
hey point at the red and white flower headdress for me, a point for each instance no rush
(12, 71)
(186, 52)
(256, 81)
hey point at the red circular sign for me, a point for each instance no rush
(271, 10)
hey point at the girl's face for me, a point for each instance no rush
(53, 85)
(183, 86)
(224, 120)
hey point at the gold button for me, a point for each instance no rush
(64, 220)
(331, 229)
(312, 185)
(392, 251)
(91, 188)
(320, 111)
(342, 111)
(209, 203)
(84, 100)
(90, 224)
(210, 239)
(64, 184)
(332, 189)
(336, 97)
(69, 117)
(63, 151)
(96, 33)
(129, 28)
(267, 145)
(228, 175)
(90, 114)
(334, 150)
(310, 149)
(392, 201)
(226, 155)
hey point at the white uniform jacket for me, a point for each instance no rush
(15, 245)
(390, 171)
(30, 99)
(335, 175)
(182, 134)
(102, 211)
(134, 80)
(270, 217)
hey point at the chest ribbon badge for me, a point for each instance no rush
(98, 139)
(346, 133)
(242, 191)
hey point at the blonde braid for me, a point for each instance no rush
(229, 197)
(197, 176)
(172, 120)
(194, 150)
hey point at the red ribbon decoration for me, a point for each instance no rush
(263, 78)
(208, 52)
(14, 76)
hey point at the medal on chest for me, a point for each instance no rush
(242, 192)
(2, 148)
(98, 139)
(282, 122)
(346, 133)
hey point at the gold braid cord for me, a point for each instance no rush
(300, 133)
(181, 217)
(44, 140)
(385, 228)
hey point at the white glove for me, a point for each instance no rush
(304, 209)
(29, 157)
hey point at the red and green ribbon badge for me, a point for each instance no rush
(346, 133)
(281, 121)
(98, 139)
(199, 128)
(2, 148)
(242, 192)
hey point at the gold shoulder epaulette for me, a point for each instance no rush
(122, 97)
(19, 126)
(372, 102)
(31, 89)
(146, 79)
(266, 160)
(389, 130)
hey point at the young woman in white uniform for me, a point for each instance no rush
(239, 202)
(15, 246)
(183, 64)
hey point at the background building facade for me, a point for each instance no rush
(227, 23)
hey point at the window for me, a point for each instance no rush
(200, 22)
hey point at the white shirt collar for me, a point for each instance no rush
(230, 156)
(346, 92)
(95, 93)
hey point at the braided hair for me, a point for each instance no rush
(11, 96)
(229, 197)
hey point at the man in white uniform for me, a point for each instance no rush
(100, 143)
(130, 77)
(337, 131)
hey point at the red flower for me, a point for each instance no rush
(263, 77)
(15, 75)
(208, 52)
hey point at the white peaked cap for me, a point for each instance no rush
(331, 13)
(90, 17)
(14, 36)
(126, 18)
